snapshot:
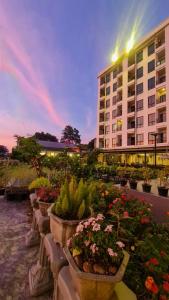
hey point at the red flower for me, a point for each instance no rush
(110, 205)
(166, 286)
(151, 285)
(154, 261)
(145, 220)
(166, 277)
(123, 197)
(154, 289)
(162, 253)
(163, 297)
(125, 214)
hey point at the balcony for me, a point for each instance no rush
(161, 79)
(119, 144)
(161, 99)
(131, 125)
(131, 107)
(101, 143)
(119, 96)
(131, 140)
(102, 92)
(101, 117)
(119, 113)
(160, 62)
(160, 40)
(162, 137)
(161, 118)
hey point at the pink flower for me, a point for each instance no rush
(108, 228)
(116, 200)
(96, 227)
(79, 228)
(111, 252)
(120, 244)
(126, 214)
(100, 217)
(86, 224)
(90, 220)
(94, 248)
(87, 243)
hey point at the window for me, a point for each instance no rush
(139, 56)
(151, 119)
(114, 113)
(106, 143)
(101, 117)
(119, 125)
(151, 66)
(114, 73)
(114, 86)
(131, 60)
(107, 116)
(113, 128)
(113, 142)
(102, 104)
(151, 83)
(107, 129)
(151, 138)
(140, 139)
(107, 103)
(151, 101)
(139, 122)
(139, 72)
(107, 79)
(139, 105)
(108, 91)
(114, 100)
(102, 80)
(102, 92)
(139, 88)
(151, 49)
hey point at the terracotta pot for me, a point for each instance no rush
(43, 206)
(93, 286)
(62, 229)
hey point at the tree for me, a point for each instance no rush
(70, 135)
(3, 151)
(26, 149)
(42, 136)
(91, 145)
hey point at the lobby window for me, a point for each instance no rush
(139, 105)
(151, 83)
(151, 66)
(114, 113)
(139, 56)
(113, 128)
(108, 90)
(140, 72)
(151, 119)
(140, 139)
(151, 101)
(139, 88)
(114, 100)
(107, 129)
(151, 49)
(114, 86)
(107, 78)
(108, 103)
(139, 122)
(107, 116)
(150, 138)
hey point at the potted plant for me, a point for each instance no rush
(45, 197)
(147, 175)
(36, 185)
(72, 205)
(133, 181)
(163, 187)
(97, 259)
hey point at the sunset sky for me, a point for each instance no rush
(50, 54)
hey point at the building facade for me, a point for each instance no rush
(133, 100)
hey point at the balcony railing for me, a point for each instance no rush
(161, 79)
(119, 98)
(160, 43)
(130, 78)
(130, 94)
(161, 99)
(161, 118)
(160, 62)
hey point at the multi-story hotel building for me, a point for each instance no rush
(133, 101)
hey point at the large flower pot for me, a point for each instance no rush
(93, 286)
(146, 187)
(163, 191)
(2, 191)
(133, 184)
(62, 229)
(43, 206)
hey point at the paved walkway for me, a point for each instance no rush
(15, 258)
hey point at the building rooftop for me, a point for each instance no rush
(139, 44)
(55, 145)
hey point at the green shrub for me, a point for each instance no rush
(39, 183)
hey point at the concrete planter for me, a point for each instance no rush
(93, 286)
(62, 229)
(44, 206)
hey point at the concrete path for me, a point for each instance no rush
(15, 258)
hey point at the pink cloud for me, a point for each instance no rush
(16, 61)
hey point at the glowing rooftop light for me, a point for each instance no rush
(130, 44)
(114, 57)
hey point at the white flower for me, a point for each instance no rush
(108, 228)
(96, 227)
(100, 217)
(111, 252)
